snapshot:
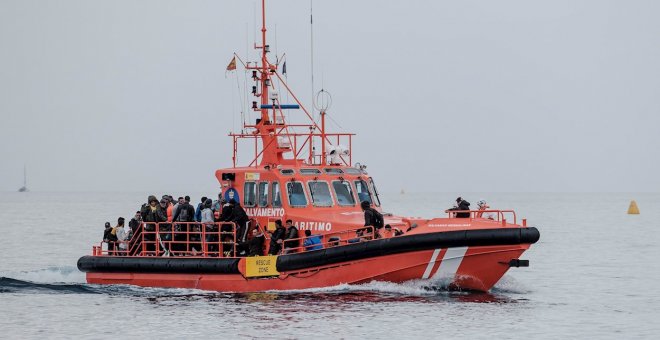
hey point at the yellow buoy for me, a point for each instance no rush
(633, 209)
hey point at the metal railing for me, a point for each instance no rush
(194, 239)
(330, 240)
(176, 239)
(497, 215)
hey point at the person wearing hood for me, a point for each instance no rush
(276, 238)
(153, 213)
(463, 205)
(165, 229)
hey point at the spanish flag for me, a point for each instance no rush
(232, 64)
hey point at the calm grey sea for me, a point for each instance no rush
(594, 273)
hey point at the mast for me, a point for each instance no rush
(264, 64)
(276, 136)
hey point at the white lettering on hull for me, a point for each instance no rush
(450, 225)
(265, 212)
(313, 226)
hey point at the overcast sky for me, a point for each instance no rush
(451, 96)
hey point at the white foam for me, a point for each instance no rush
(415, 287)
(65, 274)
(508, 284)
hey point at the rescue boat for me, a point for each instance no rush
(288, 177)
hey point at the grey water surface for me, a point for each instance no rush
(594, 273)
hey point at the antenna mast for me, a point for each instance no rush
(311, 49)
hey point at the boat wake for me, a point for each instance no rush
(65, 274)
(68, 280)
(9, 285)
(53, 280)
(438, 289)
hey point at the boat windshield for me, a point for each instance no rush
(344, 193)
(263, 194)
(375, 192)
(320, 193)
(296, 195)
(363, 191)
(277, 196)
(249, 194)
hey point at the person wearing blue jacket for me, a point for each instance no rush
(312, 242)
(198, 211)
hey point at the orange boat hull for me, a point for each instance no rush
(473, 268)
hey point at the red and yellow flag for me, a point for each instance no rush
(232, 64)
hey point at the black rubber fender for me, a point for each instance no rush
(174, 265)
(403, 244)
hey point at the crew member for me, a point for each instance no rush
(291, 241)
(372, 218)
(276, 238)
(462, 208)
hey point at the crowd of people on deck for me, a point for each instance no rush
(175, 224)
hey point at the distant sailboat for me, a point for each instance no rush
(24, 187)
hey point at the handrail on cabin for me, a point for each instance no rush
(477, 214)
(327, 240)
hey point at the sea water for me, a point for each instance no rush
(594, 273)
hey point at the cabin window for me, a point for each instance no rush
(372, 185)
(353, 171)
(296, 194)
(344, 193)
(263, 194)
(320, 193)
(333, 171)
(277, 195)
(363, 191)
(249, 194)
(310, 171)
(287, 172)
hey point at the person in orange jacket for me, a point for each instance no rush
(170, 206)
